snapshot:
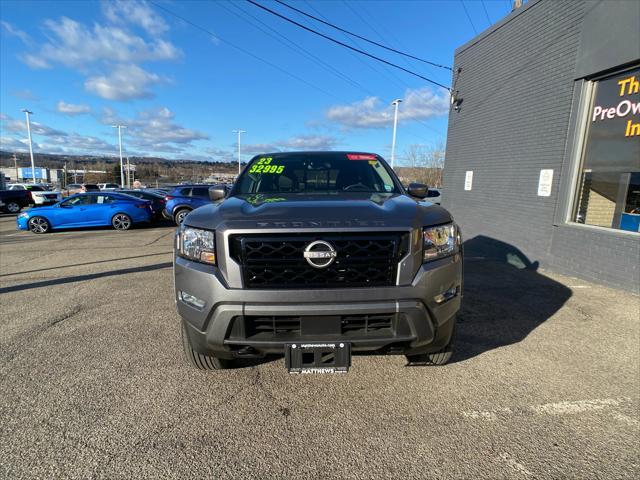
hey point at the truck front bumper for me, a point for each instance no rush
(231, 323)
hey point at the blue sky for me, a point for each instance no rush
(83, 66)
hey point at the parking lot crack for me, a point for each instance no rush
(157, 239)
(65, 316)
(284, 410)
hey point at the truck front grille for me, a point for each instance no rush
(277, 261)
(289, 327)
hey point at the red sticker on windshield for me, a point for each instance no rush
(361, 156)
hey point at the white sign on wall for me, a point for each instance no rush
(468, 180)
(544, 183)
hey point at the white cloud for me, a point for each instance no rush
(71, 108)
(136, 13)
(34, 61)
(24, 94)
(418, 104)
(74, 45)
(299, 142)
(125, 82)
(15, 32)
(13, 144)
(19, 126)
(155, 131)
(52, 141)
(309, 142)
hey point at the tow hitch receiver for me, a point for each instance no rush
(318, 357)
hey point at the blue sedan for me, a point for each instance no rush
(95, 209)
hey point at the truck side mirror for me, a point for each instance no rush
(418, 190)
(217, 193)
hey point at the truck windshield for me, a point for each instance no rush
(308, 173)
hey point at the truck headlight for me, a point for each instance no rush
(439, 242)
(197, 244)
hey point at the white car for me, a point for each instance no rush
(108, 186)
(39, 194)
(434, 195)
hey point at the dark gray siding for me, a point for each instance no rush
(518, 87)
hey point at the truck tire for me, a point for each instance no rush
(199, 360)
(441, 357)
(178, 217)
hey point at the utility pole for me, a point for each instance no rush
(120, 127)
(33, 167)
(396, 102)
(128, 173)
(239, 132)
(15, 165)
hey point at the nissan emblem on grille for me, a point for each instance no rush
(320, 254)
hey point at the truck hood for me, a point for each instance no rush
(326, 210)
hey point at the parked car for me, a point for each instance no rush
(158, 203)
(12, 201)
(39, 194)
(108, 186)
(314, 255)
(434, 195)
(184, 198)
(87, 210)
(73, 188)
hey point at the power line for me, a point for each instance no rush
(294, 47)
(373, 66)
(304, 27)
(360, 36)
(389, 71)
(469, 17)
(484, 7)
(217, 37)
(383, 70)
(246, 52)
(385, 39)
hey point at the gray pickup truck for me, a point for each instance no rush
(318, 255)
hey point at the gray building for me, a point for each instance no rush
(543, 148)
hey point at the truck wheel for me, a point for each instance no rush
(200, 361)
(179, 216)
(12, 207)
(441, 357)
(39, 225)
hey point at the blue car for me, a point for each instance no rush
(184, 198)
(95, 209)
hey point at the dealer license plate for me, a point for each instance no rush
(329, 357)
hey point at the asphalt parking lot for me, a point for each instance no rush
(545, 382)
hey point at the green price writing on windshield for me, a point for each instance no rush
(264, 166)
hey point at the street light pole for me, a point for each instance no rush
(33, 167)
(239, 132)
(396, 102)
(120, 127)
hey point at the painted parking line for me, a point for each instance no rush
(556, 408)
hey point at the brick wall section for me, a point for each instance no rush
(517, 85)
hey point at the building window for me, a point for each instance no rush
(608, 192)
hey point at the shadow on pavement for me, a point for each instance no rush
(82, 278)
(505, 298)
(96, 262)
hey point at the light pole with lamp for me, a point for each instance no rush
(395, 103)
(120, 127)
(239, 132)
(33, 167)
